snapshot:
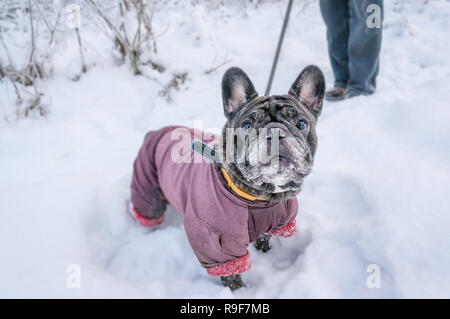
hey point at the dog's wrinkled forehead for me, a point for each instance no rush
(278, 102)
(271, 107)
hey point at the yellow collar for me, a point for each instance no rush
(238, 190)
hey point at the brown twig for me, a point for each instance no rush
(12, 66)
(50, 29)
(83, 64)
(129, 45)
(33, 37)
(218, 66)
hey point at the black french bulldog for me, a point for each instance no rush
(293, 116)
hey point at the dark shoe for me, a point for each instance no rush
(339, 94)
(352, 93)
(336, 94)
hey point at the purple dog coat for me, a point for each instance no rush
(219, 224)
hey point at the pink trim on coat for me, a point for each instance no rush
(284, 231)
(148, 222)
(235, 266)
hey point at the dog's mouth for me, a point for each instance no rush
(283, 163)
(285, 167)
(283, 171)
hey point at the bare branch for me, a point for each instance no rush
(218, 66)
(129, 45)
(52, 32)
(8, 54)
(83, 64)
(50, 29)
(2, 72)
(43, 17)
(12, 66)
(33, 37)
(94, 6)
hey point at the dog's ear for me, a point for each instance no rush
(237, 89)
(309, 88)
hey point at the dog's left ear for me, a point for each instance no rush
(309, 88)
(237, 89)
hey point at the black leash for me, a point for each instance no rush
(280, 42)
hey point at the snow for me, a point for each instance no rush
(378, 193)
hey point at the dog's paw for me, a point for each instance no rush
(232, 281)
(262, 243)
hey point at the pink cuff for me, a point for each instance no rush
(235, 266)
(284, 231)
(148, 222)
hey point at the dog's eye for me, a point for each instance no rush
(302, 125)
(247, 126)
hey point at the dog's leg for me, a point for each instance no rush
(233, 281)
(262, 243)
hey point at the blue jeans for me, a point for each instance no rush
(353, 47)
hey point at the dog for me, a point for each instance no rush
(245, 194)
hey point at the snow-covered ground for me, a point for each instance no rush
(379, 192)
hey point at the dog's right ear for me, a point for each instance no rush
(237, 89)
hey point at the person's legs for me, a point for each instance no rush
(363, 48)
(335, 14)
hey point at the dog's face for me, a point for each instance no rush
(270, 142)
